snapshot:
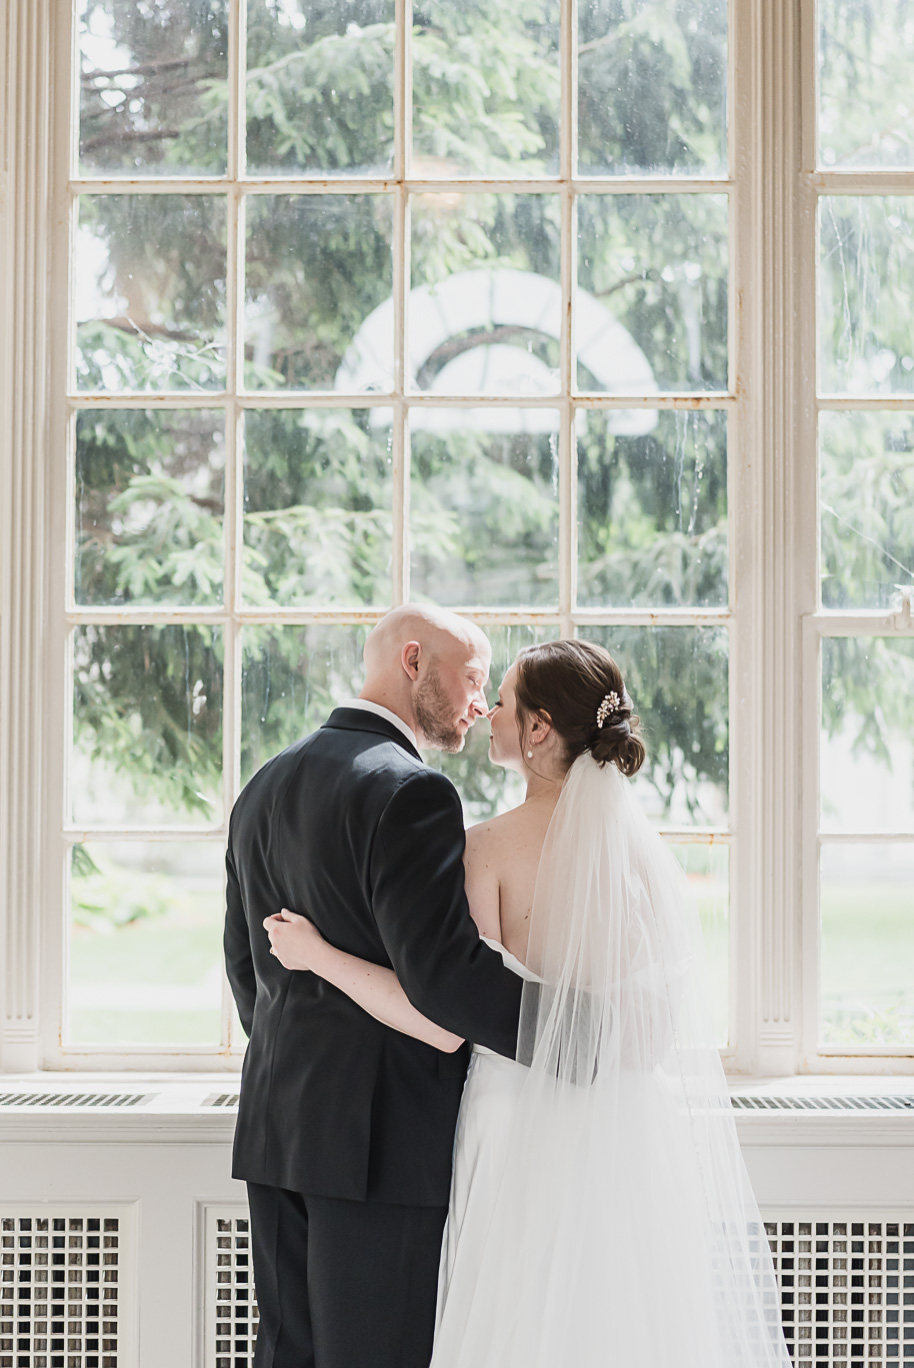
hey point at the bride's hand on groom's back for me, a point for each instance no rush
(294, 940)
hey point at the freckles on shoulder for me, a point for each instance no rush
(478, 839)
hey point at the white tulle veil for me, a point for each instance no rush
(625, 1233)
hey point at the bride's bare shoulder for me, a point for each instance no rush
(484, 860)
(485, 838)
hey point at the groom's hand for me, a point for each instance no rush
(294, 940)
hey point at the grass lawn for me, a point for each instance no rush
(147, 959)
(868, 962)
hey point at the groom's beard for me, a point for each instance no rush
(433, 714)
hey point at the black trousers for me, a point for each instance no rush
(343, 1284)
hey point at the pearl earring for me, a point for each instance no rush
(529, 755)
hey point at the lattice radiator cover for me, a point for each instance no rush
(66, 1286)
(847, 1287)
(230, 1305)
(846, 1283)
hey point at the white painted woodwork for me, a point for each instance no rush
(26, 113)
(774, 618)
(165, 1165)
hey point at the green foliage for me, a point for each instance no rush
(851, 1023)
(159, 104)
(484, 518)
(867, 503)
(317, 499)
(660, 264)
(653, 512)
(317, 265)
(866, 257)
(484, 105)
(317, 485)
(320, 97)
(868, 687)
(865, 68)
(292, 677)
(653, 83)
(164, 310)
(148, 705)
(149, 504)
(678, 681)
(107, 896)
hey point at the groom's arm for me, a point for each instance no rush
(239, 962)
(420, 905)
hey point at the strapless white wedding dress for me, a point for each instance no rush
(481, 1150)
(601, 1215)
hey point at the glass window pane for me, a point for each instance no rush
(484, 517)
(866, 294)
(866, 475)
(866, 113)
(146, 943)
(867, 744)
(149, 506)
(485, 310)
(153, 88)
(867, 909)
(486, 789)
(486, 88)
(318, 302)
(707, 871)
(651, 304)
(652, 508)
(150, 292)
(147, 726)
(320, 87)
(677, 677)
(291, 680)
(317, 506)
(652, 87)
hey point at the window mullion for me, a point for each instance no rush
(401, 280)
(237, 89)
(845, 403)
(261, 399)
(567, 500)
(233, 526)
(876, 182)
(400, 433)
(73, 835)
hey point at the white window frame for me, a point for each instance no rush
(819, 624)
(773, 614)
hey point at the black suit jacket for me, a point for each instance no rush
(350, 828)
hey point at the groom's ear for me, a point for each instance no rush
(409, 659)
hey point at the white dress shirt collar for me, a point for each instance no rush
(366, 705)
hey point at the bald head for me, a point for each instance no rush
(437, 630)
(430, 667)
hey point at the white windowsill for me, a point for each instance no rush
(177, 1110)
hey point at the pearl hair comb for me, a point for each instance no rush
(611, 703)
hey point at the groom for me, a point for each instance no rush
(345, 1126)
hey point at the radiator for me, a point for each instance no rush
(846, 1283)
(66, 1287)
(231, 1307)
(847, 1287)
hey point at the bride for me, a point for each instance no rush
(600, 1209)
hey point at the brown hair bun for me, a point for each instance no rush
(580, 686)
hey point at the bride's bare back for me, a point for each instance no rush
(502, 859)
